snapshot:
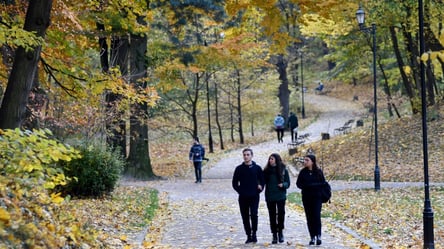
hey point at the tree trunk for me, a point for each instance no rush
(231, 106)
(24, 68)
(116, 127)
(284, 92)
(194, 97)
(405, 79)
(216, 113)
(139, 162)
(430, 83)
(210, 135)
(239, 108)
(103, 48)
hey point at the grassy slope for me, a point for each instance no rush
(400, 146)
(390, 217)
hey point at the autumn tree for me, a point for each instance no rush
(24, 68)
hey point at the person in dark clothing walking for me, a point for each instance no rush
(248, 181)
(277, 181)
(197, 155)
(293, 124)
(310, 180)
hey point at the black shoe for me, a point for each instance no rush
(281, 236)
(254, 238)
(318, 240)
(312, 241)
(196, 181)
(275, 239)
(249, 240)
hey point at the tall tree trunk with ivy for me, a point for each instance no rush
(24, 68)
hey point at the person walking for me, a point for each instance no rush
(277, 181)
(293, 124)
(310, 180)
(248, 181)
(279, 125)
(197, 155)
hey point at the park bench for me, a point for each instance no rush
(346, 128)
(292, 147)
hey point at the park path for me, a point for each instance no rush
(206, 215)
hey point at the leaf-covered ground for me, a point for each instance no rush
(123, 219)
(391, 218)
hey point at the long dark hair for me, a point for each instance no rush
(315, 167)
(279, 165)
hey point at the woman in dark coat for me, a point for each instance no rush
(310, 180)
(277, 181)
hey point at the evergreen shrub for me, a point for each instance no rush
(95, 174)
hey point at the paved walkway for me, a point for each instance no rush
(207, 215)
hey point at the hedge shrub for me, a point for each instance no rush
(95, 174)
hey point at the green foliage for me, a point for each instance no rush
(18, 37)
(29, 156)
(29, 213)
(96, 173)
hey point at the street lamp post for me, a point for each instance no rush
(360, 16)
(427, 212)
(302, 83)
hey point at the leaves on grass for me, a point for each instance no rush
(390, 217)
(351, 156)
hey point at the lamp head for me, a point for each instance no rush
(360, 16)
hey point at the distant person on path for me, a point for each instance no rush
(310, 180)
(320, 87)
(277, 181)
(197, 155)
(279, 125)
(293, 124)
(248, 181)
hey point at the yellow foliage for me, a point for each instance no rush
(407, 69)
(56, 198)
(4, 215)
(425, 57)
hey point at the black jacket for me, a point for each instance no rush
(246, 178)
(310, 182)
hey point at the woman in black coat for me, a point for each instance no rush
(310, 180)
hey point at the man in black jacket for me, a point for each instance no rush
(293, 125)
(196, 155)
(248, 181)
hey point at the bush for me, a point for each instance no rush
(30, 211)
(95, 174)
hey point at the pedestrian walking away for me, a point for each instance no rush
(293, 124)
(310, 180)
(279, 125)
(197, 155)
(277, 181)
(248, 181)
